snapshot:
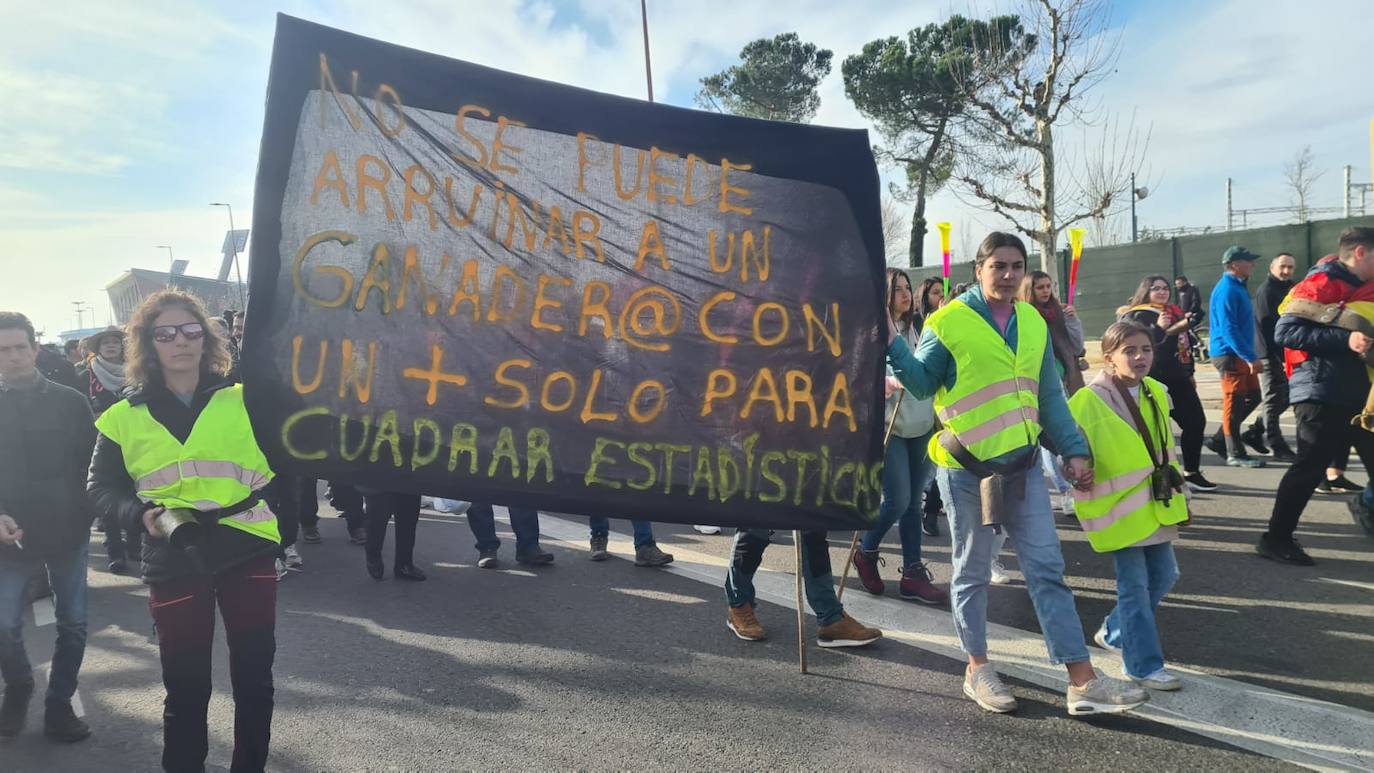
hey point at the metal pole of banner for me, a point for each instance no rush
(854, 543)
(801, 614)
(648, 70)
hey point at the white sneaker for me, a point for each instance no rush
(999, 573)
(1101, 638)
(984, 687)
(707, 529)
(1162, 679)
(1066, 505)
(293, 558)
(281, 569)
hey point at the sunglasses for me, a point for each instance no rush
(191, 331)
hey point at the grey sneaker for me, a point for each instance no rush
(293, 558)
(985, 688)
(599, 551)
(1162, 680)
(650, 555)
(1104, 696)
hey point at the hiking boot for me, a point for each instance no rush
(1197, 482)
(1248, 462)
(60, 723)
(1162, 680)
(846, 632)
(742, 621)
(357, 536)
(930, 523)
(486, 559)
(1104, 696)
(293, 558)
(1254, 437)
(1361, 512)
(535, 556)
(311, 535)
(15, 709)
(599, 551)
(984, 687)
(918, 585)
(650, 555)
(1284, 551)
(866, 563)
(1280, 452)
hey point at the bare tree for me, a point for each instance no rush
(1013, 164)
(1101, 173)
(895, 233)
(1301, 176)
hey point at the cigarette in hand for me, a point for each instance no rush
(19, 544)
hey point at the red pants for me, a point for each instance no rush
(1240, 393)
(184, 611)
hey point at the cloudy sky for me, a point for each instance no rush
(123, 120)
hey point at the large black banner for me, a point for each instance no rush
(473, 284)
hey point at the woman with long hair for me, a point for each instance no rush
(1066, 338)
(932, 297)
(177, 457)
(906, 469)
(1173, 367)
(104, 381)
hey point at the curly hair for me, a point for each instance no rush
(142, 367)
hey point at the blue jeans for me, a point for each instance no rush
(525, 524)
(747, 554)
(67, 575)
(906, 473)
(1030, 525)
(644, 531)
(1143, 577)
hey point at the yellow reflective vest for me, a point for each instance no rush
(218, 466)
(994, 406)
(1119, 511)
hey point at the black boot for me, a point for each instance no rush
(1254, 437)
(376, 568)
(15, 709)
(60, 723)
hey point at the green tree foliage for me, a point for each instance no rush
(776, 79)
(915, 89)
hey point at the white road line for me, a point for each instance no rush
(1347, 583)
(1303, 731)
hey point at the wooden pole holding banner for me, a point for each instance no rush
(854, 543)
(801, 613)
(648, 70)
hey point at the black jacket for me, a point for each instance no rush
(1268, 296)
(1190, 300)
(112, 490)
(1332, 374)
(46, 434)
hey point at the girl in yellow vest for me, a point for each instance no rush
(1136, 497)
(180, 445)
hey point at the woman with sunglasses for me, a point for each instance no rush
(1173, 367)
(180, 444)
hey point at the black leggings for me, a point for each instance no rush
(379, 509)
(1191, 420)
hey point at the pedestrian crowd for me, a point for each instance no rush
(992, 426)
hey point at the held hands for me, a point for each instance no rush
(890, 386)
(1359, 343)
(151, 515)
(10, 532)
(1078, 470)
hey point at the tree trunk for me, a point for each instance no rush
(1049, 232)
(916, 253)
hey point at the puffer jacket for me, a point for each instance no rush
(113, 492)
(1323, 368)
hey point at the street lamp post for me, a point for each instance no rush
(79, 311)
(234, 245)
(1136, 195)
(171, 262)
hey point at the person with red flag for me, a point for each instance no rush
(1328, 378)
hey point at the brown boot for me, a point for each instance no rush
(742, 621)
(847, 632)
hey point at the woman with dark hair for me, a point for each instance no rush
(104, 379)
(1066, 338)
(987, 360)
(932, 296)
(906, 469)
(1173, 367)
(177, 456)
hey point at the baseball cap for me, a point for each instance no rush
(1236, 252)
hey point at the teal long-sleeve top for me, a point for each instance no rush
(932, 367)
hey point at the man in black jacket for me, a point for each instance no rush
(1329, 385)
(1273, 380)
(1190, 300)
(46, 436)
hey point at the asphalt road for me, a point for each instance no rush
(599, 665)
